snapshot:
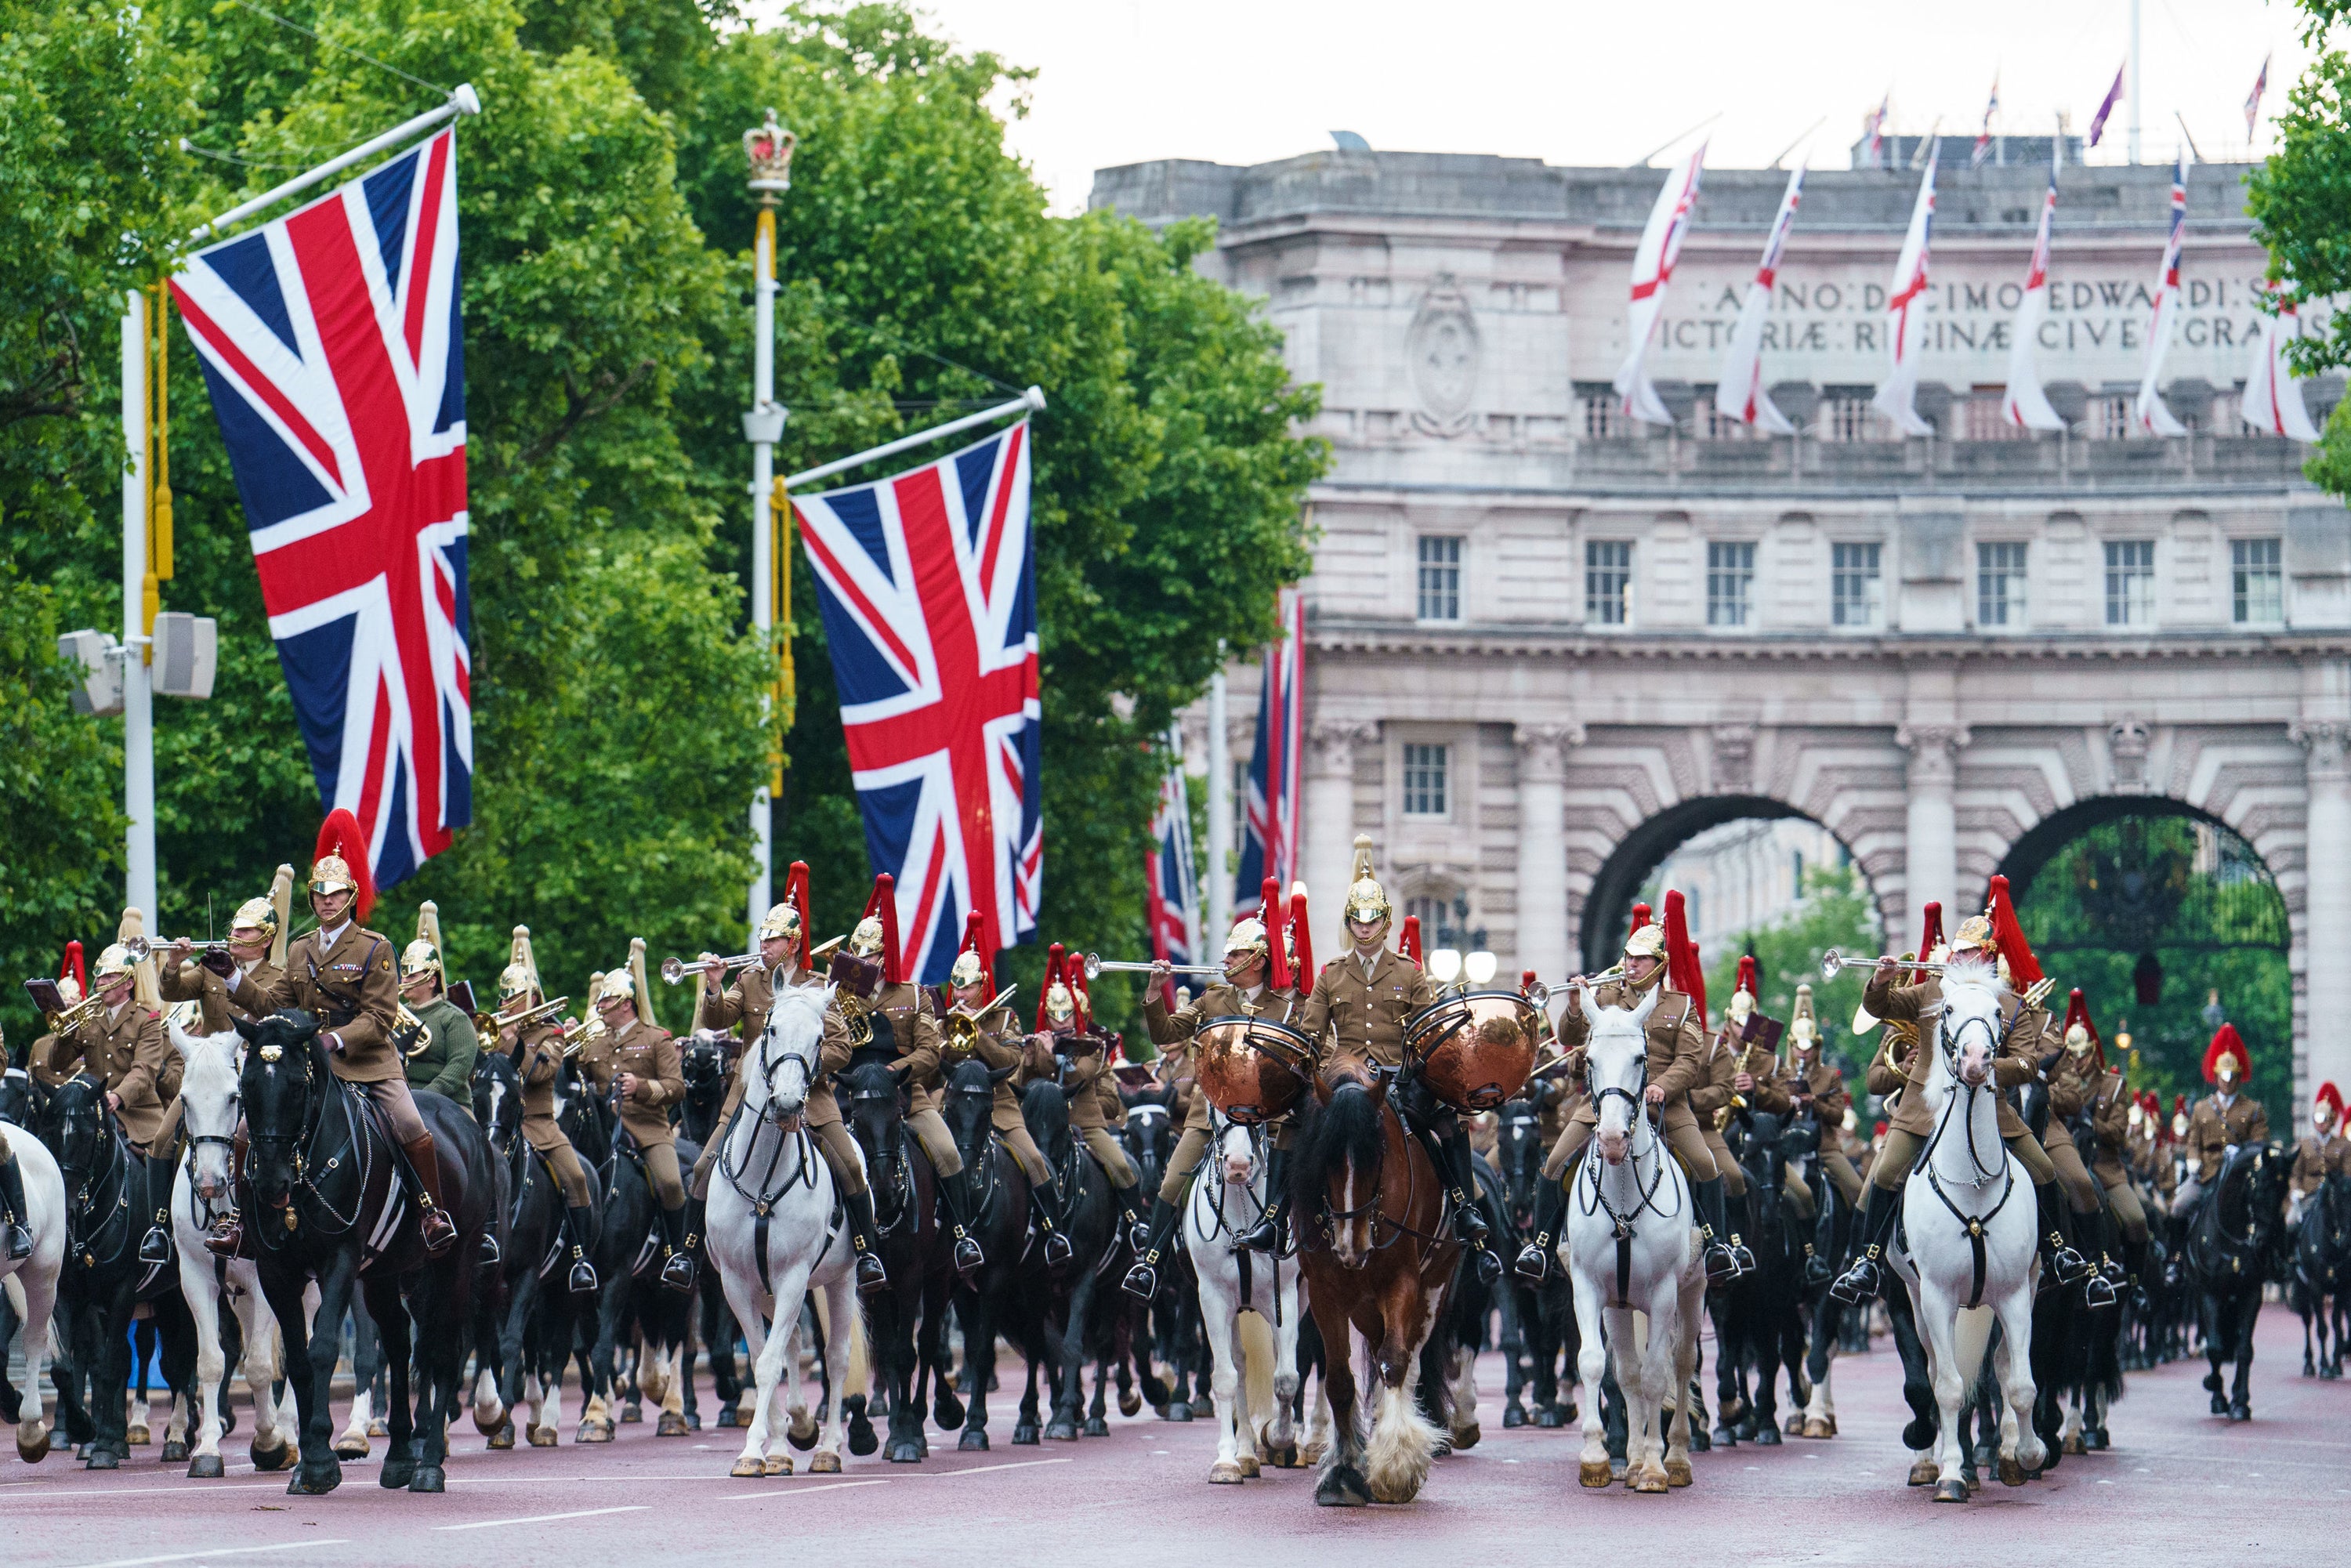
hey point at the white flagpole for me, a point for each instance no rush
(138, 689)
(1030, 401)
(1220, 808)
(461, 101)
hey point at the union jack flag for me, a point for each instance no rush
(2253, 100)
(928, 586)
(1270, 841)
(1175, 889)
(332, 346)
(1983, 153)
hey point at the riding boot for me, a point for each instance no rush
(1469, 1225)
(1819, 1270)
(1266, 1235)
(865, 1242)
(16, 1235)
(2058, 1257)
(578, 1226)
(678, 1267)
(1044, 1200)
(439, 1231)
(1534, 1259)
(1751, 1201)
(1722, 1264)
(1141, 1281)
(1130, 1212)
(1860, 1281)
(696, 1209)
(967, 1253)
(155, 1247)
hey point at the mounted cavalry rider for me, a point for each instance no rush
(1806, 1082)
(1357, 1010)
(1728, 1061)
(1676, 1054)
(2080, 1085)
(342, 974)
(15, 1234)
(1245, 988)
(537, 1049)
(123, 1045)
(991, 1035)
(443, 1062)
(2325, 1152)
(649, 1077)
(2223, 1119)
(1069, 1049)
(1992, 940)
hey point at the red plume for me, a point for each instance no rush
(1408, 940)
(1931, 936)
(1640, 918)
(1303, 977)
(2077, 1011)
(2226, 1041)
(1073, 974)
(1268, 912)
(1747, 981)
(1682, 970)
(1045, 985)
(1526, 979)
(796, 894)
(2331, 1097)
(2178, 1102)
(2023, 970)
(975, 940)
(884, 901)
(72, 965)
(340, 835)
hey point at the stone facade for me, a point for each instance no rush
(1547, 647)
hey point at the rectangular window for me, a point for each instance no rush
(1985, 420)
(2110, 416)
(1423, 781)
(2130, 583)
(1846, 416)
(2000, 585)
(1855, 586)
(1440, 578)
(1729, 574)
(1603, 417)
(1608, 582)
(2257, 582)
(1717, 425)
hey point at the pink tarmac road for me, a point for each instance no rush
(2176, 1480)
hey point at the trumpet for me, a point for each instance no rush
(1096, 964)
(80, 1013)
(141, 948)
(1833, 961)
(674, 970)
(582, 1035)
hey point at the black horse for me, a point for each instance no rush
(1055, 1304)
(524, 1334)
(631, 1305)
(996, 1198)
(2232, 1251)
(103, 1283)
(1759, 1331)
(1540, 1336)
(905, 1318)
(2321, 1273)
(705, 1060)
(326, 1202)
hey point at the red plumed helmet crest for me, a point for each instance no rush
(1408, 940)
(975, 942)
(2023, 968)
(881, 904)
(339, 837)
(1747, 981)
(2077, 1011)
(2226, 1041)
(1045, 985)
(1682, 971)
(1276, 938)
(2330, 1097)
(73, 966)
(1641, 915)
(1302, 973)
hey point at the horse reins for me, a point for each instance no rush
(1621, 1223)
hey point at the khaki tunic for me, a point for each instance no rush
(1362, 1017)
(129, 1053)
(2016, 1060)
(1089, 1057)
(352, 990)
(914, 1029)
(445, 1065)
(2110, 1120)
(541, 1048)
(2211, 1131)
(997, 1045)
(1173, 1033)
(191, 982)
(2073, 1085)
(1676, 1052)
(650, 1054)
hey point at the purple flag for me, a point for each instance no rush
(2114, 97)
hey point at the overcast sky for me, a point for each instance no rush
(1243, 81)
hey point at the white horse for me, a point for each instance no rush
(768, 1166)
(201, 1189)
(1630, 1249)
(1254, 1372)
(1968, 1254)
(32, 1282)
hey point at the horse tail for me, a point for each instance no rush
(1256, 1365)
(1344, 1132)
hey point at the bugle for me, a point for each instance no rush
(674, 970)
(1096, 964)
(141, 948)
(1832, 962)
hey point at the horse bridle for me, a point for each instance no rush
(1947, 1041)
(763, 1202)
(899, 1164)
(1219, 1124)
(303, 1144)
(88, 1193)
(1638, 1111)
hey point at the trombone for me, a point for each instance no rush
(963, 1023)
(528, 1015)
(1096, 964)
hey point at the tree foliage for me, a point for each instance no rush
(1836, 911)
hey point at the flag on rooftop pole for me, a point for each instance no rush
(2114, 97)
(1175, 889)
(1269, 833)
(1982, 152)
(1906, 312)
(1873, 125)
(2253, 101)
(1738, 391)
(2025, 404)
(1653, 269)
(2148, 412)
(2272, 395)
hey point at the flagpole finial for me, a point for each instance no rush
(769, 149)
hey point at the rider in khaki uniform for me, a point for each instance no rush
(444, 1063)
(1808, 1085)
(875, 1007)
(1066, 1024)
(1677, 1056)
(647, 1072)
(123, 1045)
(1714, 1102)
(16, 1235)
(2079, 1080)
(256, 941)
(342, 974)
(981, 1026)
(1977, 941)
(2226, 1117)
(1357, 1010)
(537, 1049)
(1245, 988)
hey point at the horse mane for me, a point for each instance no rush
(1345, 1132)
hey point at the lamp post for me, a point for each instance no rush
(769, 149)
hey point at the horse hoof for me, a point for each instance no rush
(376, 1428)
(395, 1474)
(1924, 1472)
(730, 1417)
(2072, 1445)
(1284, 1455)
(1062, 1432)
(592, 1431)
(799, 1438)
(904, 1452)
(1794, 1425)
(1549, 1417)
(1311, 1454)
(349, 1448)
(1344, 1486)
(503, 1437)
(34, 1452)
(974, 1441)
(281, 1457)
(2096, 1441)
(1097, 1428)
(137, 1435)
(315, 1481)
(825, 1465)
(543, 1436)
(2240, 1411)
(863, 1438)
(694, 1420)
(670, 1425)
(1820, 1426)
(776, 1465)
(1647, 1479)
(488, 1419)
(428, 1478)
(948, 1411)
(1178, 1411)
(1250, 1469)
(1205, 1406)
(1767, 1435)
(1130, 1402)
(1596, 1473)
(1677, 1473)
(101, 1459)
(749, 1467)
(2219, 1405)
(632, 1411)
(1024, 1437)
(1513, 1418)
(2011, 1471)
(1725, 1436)
(1950, 1491)
(207, 1467)
(1225, 1473)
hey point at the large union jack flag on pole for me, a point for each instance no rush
(1269, 839)
(928, 586)
(331, 343)
(1173, 907)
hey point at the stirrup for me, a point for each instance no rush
(1721, 1266)
(1057, 1249)
(968, 1254)
(1533, 1262)
(1489, 1266)
(438, 1238)
(1265, 1235)
(677, 1271)
(490, 1250)
(1141, 1281)
(18, 1241)
(1741, 1256)
(2071, 1266)
(2098, 1294)
(226, 1238)
(1858, 1283)
(872, 1274)
(155, 1247)
(583, 1274)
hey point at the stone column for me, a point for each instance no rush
(1931, 842)
(2326, 915)
(1327, 846)
(1543, 849)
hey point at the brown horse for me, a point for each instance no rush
(1374, 1239)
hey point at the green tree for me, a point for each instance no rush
(1836, 911)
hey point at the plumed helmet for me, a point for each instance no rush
(70, 979)
(2227, 1056)
(521, 977)
(865, 940)
(423, 955)
(114, 959)
(1974, 933)
(1804, 1027)
(782, 920)
(1245, 940)
(1742, 994)
(968, 970)
(254, 914)
(1645, 942)
(1367, 901)
(2077, 1039)
(341, 862)
(2327, 1106)
(874, 938)
(1060, 1003)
